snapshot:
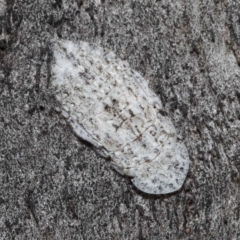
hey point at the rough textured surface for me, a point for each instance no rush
(54, 187)
(110, 106)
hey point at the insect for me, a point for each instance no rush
(111, 106)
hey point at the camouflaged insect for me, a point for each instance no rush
(111, 106)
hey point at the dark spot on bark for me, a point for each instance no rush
(10, 4)
(30, 204)
(41, 108)
(91, 12)
(16, 18)
(79, 3)
(59, 32)
(38, 76)
(50, 20)
(140, 210)
(3, 44)
(58, 3)
(102, 32)
(32, 110)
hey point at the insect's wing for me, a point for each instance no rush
(163, 176)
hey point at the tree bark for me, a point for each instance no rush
(52, 186)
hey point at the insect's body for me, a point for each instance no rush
(111, 106)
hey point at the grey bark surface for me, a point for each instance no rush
(53, 186)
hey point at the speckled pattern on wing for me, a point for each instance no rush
(111, 106)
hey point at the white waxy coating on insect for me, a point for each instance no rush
(111, 106)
